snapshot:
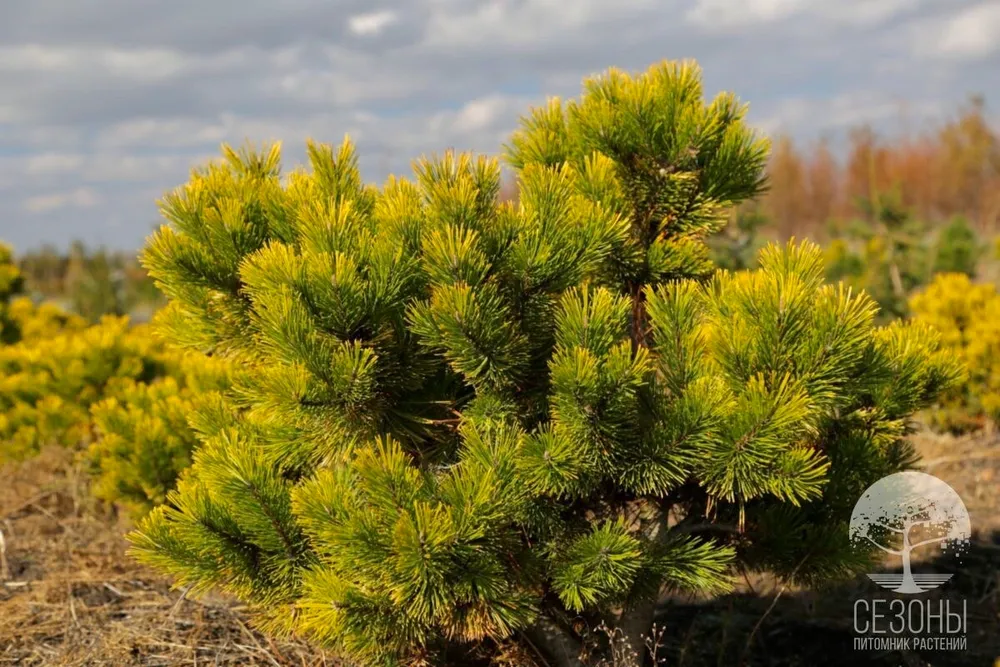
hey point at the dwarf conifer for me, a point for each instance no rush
(143, 437)
(47, 384)
(20, 318)
(465, 423)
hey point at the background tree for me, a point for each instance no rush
(470, 423)
(44, 270)
(958, 248)
(886, 252)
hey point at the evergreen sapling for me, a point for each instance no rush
(467, 423)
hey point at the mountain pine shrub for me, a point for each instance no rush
(465, 423)
(33, 322)
(144, 437)
(967, 315)
(11, 285)
(47, 385)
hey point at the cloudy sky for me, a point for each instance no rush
(106, 104)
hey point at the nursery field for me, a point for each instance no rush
(629, 407)
(71, 596)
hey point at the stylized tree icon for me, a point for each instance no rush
(909, 510)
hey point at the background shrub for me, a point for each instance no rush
(144, 438)
(967, 315)
(48, 385)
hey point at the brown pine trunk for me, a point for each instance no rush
(636, 622)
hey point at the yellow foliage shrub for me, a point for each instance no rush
(968, 317)
(44, 320)
(48, 384)
(112, 386)
(143, 436)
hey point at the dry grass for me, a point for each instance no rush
(69, 596)
(971, 465)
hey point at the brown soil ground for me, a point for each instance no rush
(70, 596)
(971, 465)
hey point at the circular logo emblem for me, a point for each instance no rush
(903, 513)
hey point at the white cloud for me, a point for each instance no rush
(723, 14)
(160, 133)
(972, 34)
(372, 23)
(797, 116)
(124, 168)
(136, 64)
(79, 198)
(727, 16)
(53, 163)
(480, 113)
(867, 12)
